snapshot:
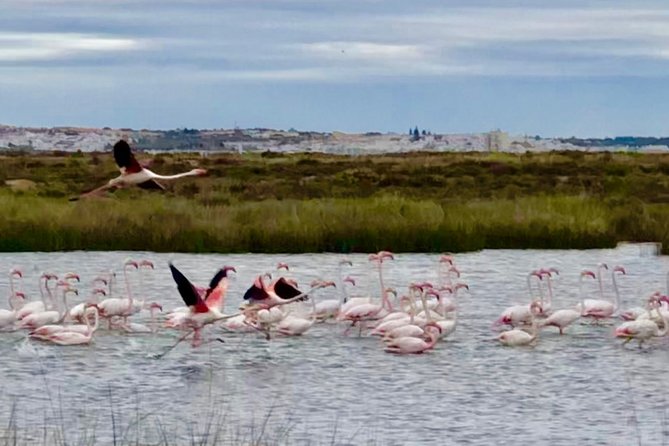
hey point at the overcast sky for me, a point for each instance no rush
(547, 67)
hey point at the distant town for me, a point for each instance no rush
(72, 139)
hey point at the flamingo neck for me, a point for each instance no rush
(529, 289)
(549, 285)
(92, 329)
(63, 313)
(600, 283)
(616, 303)
(342, 285)
(428, 316)
(665, 322)
(127, 287)
(580, 295)
(156, 176)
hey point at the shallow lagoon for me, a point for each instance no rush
(326, 388)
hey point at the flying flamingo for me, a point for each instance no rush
(134, 174)
(199, 316)
(643, 329)
(213, 296)
(565, 317)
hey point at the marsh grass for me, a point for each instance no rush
(314, 202)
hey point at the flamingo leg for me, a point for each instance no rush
(169, 349)
(349, 328)
(95, 192)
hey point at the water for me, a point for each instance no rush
(325, 388)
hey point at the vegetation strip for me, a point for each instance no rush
(272, 202)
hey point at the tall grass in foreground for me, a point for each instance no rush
(160, 223)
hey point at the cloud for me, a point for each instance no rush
(344, 41)
(34, 46)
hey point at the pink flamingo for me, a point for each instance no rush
(327, 309)
(213, 296)
(565, 317)
(8, 317)
(199, 316)
(293, 325)
(77, 312)
(45, 331)
(406, 345)
(35, 320)
(40, 305)
(115, 306)
(403, 317)
(75, 337)
(600, 308)
(517, 337)
(643, 329)
(520, 314)
(134, 174)
(134, 327)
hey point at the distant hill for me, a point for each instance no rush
(72, 139)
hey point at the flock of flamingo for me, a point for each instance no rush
(410, 322)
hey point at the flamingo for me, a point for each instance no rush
(74, 337)
(520, 314)
(412, 327)
(45, 331)
(517, 337)
(36, 320)
(369, 312)
(377, 258)
(134, 327)
(200, 315)
(134, 174)
(40, 305)
(114, 306)
(546, 306)
(643, 329)
(327, 309)
(565, 317)
(600, 308)
(292, 325)
(403, 318)
(213, 296)
(77, 312)
(8, 317)
(264, 301)
(408, 344)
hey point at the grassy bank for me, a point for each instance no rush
(315, 202)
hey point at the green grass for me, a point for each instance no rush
(315, 202)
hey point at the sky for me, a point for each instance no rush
(554, 68)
